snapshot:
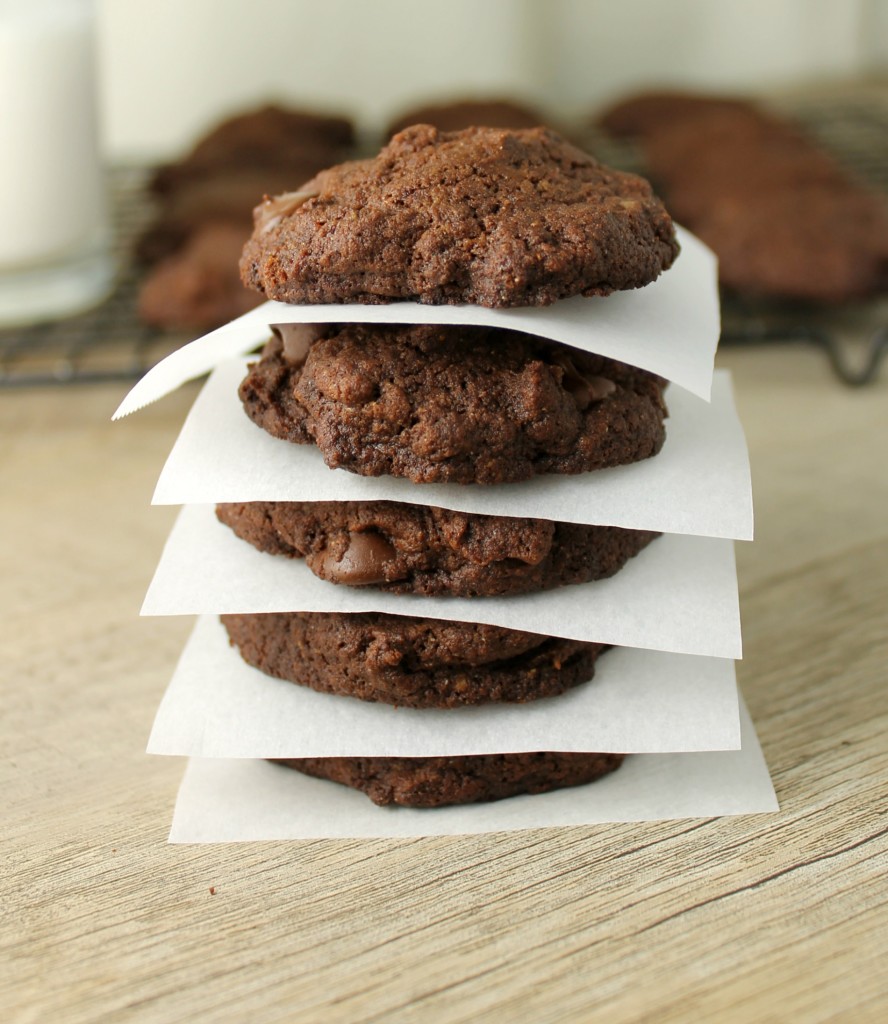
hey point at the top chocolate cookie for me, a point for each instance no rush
(486, 216)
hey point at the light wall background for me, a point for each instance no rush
(169, 68)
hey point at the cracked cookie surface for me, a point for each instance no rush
(487, 216)
(408, 661)
(452, 404)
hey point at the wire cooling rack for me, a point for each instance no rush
(110, 342)
(853, 337)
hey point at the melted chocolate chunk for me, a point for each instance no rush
(296, 340)
(364, 561)
(273, 209)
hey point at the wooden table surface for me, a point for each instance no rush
(758, 918)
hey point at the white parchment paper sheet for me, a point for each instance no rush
(219, 706)
(679, 594)
(240, 800)
(670, 327)
(699, 483)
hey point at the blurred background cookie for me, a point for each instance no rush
(787, 221)
(191, 248)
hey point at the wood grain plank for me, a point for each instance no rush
(758, 918)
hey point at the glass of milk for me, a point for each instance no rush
(55, 256)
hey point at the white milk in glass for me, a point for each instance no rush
(54, 234)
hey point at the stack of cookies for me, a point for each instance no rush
(402, 359)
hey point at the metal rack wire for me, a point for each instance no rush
(855, 356)
(110, 343)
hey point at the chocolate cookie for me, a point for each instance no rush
(785, 219)
(454, 116)
(741, 153)
(197, 288)
(266, 137)
(452, 404)
(811, 245)
(411, 662)
(485, 216)
(227, 196)
(639, 114)
(415, 549)
(439, 781)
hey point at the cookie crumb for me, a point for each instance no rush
(212, 890)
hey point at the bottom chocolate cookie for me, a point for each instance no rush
(439, 781)
(411, 662)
